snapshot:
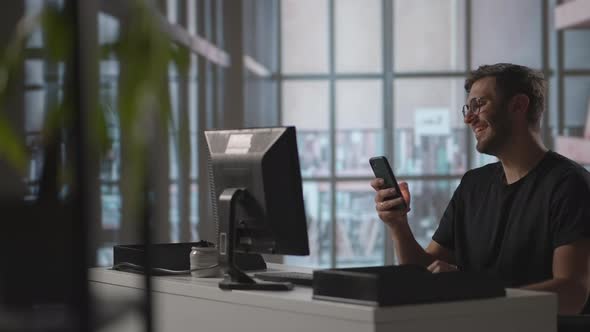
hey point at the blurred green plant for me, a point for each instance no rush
(12, 147)
(58, 47)
(144, 53)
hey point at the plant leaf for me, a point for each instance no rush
(12, 148)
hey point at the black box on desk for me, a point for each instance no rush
(175, 256)
(402, 284)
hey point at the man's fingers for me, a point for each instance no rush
(377, 184)
(390, 214)
(389, 204)
(433, 266)
(441, 266)
(405, 191)
(384, 194)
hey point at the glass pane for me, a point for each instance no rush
(35, 110)
(577, 49)
(577, 103)
(109, 71)
(108, 29)
(429, 35)
(260, 29)
(193, 127)
(304, 36)
(358, 35)
(194, 213)
(111, 207)
(429, 135)
(109, 166)
(193, 116)
(359, 123)
(172, 10)
(552, 111)
(34, 7)
(175, 102)
(174, 90)
(174, 214)
(34, 144)
(553, 50)
(429, 201)
(36, 39)
(173, 151)
(306, 105)
(359, 232)
(191, 9)
(319, 230)
(500, 34)
(34, 72)
(194, 156)
(260, 99)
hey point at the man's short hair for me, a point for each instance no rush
(511, 80)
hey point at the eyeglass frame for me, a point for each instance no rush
(465, 110)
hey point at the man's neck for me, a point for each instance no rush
(520, 156)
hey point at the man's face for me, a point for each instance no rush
(492, 125)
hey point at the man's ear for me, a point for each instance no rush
(520, 103)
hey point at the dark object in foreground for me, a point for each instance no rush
(402, 284)
(175, 256)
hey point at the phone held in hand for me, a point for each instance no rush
(382, 169)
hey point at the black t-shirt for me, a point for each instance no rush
(512, 230)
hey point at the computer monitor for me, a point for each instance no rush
(259, 198)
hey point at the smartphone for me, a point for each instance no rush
(382, 170)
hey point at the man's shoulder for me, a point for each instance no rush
(562, 168)
(562, 178)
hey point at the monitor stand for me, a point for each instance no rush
(234, 278)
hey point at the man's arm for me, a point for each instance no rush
(408, 250)
(406, 247)
(571, 277)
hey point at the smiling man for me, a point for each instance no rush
(525, 218)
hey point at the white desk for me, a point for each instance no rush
(184, 303)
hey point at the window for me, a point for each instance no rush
(304, 36)
(359, 83)
(577, 49)
(506, 31)
(359, 122)
(425, 28)
(359, 233)
(429, 134)
(358, 36)
(311, 116)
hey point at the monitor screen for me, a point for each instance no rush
(263, 163)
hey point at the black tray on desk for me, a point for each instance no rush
(401, 284)
(175, 256)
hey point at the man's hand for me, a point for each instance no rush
(441, 266)
(388, 208)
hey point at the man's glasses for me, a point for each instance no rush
(473, 107)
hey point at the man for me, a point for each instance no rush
(525, 218)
